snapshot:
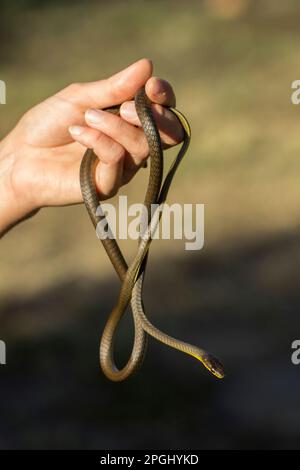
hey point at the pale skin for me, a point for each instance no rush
(40, 157)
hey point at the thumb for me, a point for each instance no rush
(111, 91)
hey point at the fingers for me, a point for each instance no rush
(116, 166)
(161, 93)
(119, 141)
(111, 91)
(169, 127)
(109, 178)
(130, 137)
(114, 141)
(111, 156)
(107, 149)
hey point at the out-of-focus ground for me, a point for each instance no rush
(232, 64)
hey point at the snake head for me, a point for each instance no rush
(213, 365)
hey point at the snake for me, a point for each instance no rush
(132, 276)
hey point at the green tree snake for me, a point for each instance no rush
(132, 277)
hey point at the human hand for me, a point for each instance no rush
(40, 158)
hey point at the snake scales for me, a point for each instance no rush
(132, 277)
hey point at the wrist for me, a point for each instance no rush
(12, 208)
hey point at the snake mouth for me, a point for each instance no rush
(212, 364)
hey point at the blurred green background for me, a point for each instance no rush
(231, 63)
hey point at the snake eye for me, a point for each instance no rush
(214, 366)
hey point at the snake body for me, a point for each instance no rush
(132, 277)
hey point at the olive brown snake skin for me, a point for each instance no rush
(132, 277)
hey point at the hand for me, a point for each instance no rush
(40, 158)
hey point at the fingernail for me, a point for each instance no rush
(94, 116)
(128, 110)
(76, 130)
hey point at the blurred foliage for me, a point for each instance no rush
(231, 63)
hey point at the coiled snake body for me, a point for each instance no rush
(132, 277)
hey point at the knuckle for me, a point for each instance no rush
(75, 86)
(118, 124)
(117, 152)
(142, 147)
(108, 150)
(71, 90)
(99, 141)
(116, 89)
